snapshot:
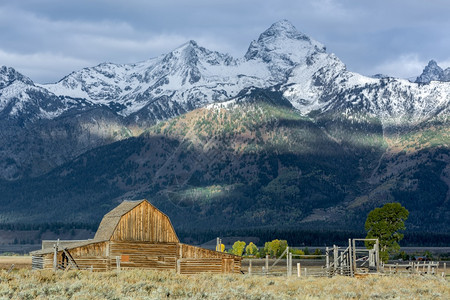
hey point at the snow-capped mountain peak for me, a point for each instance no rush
(433, 72)
(282, 46)
(23, 101)
(191, 62)
(284, 30)
(186, 53)
(282, 38)
(9, 75)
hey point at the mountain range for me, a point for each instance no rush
(283, 136)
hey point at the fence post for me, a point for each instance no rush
(299, 272)
(445, 270)
(290, 264)
(55, 255)
(10, 268)
(350, 257)
(377, 255)
(335, 254)
(287, 261)
(327, 257)
(267, 263)
(118, 263)
(354, 256)
(250, 267)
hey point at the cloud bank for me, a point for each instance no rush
(48, 39)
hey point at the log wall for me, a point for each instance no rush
(99, 249)
(48, 261)
(160, 256)
(190, 266)
(185, 259)
(37, 262)
(189, 251)
(93, 256)
(195, 259)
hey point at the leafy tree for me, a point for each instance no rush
(317, 252)
(251, 249)
(220, 247)
(275, 248)
(272, 247)
(297, 251)
(384, 224)
(402, 255)
(238, 248)
(428, 255)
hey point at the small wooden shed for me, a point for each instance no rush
(135, 234)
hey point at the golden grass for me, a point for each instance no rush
(140, 284)
(15, 260)
(20, 262)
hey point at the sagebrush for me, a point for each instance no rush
(141, 284)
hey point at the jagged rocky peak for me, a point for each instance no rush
(189, 62)
(191, 54)
(283, 28)
(186, 51)
(283, 39)
(433, 72)
(9, 75)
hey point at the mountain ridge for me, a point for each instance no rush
(194, 76)
(238, 140)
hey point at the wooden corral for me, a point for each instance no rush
(135, 234)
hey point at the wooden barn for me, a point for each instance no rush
(135, 234)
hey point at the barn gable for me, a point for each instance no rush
(136, 221)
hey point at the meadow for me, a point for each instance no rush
(143, 284)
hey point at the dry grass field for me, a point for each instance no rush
(140, 284)
(19, 262)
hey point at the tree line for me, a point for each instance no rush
(274, 249)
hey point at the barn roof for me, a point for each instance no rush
(110, 220)
(67, 247)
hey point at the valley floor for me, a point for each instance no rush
(15, 262)
(139, 284)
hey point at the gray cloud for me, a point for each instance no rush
(47, 39)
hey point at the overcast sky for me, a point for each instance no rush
(47, 39)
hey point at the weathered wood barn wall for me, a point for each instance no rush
(140, 236)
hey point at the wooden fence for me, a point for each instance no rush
(344, 261)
